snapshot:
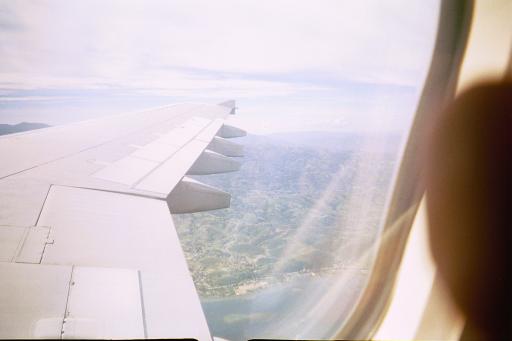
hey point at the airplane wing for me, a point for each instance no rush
(88, 248)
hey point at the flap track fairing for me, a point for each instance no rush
(191, 196)
(210, 162)
(227, 131)
(226, 147)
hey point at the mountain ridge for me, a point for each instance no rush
(6, 129)
(335, 141)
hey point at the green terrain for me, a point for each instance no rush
(305, 203)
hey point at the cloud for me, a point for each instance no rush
(213, 49)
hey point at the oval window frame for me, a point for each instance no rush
(454, 24)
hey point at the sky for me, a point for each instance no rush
(290, 65)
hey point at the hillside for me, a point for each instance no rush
(17, 128)
(299, 205)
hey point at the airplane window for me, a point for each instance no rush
(326, 90)
(292, 254)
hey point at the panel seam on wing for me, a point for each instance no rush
(136, 183)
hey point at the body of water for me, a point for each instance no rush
(292, 309)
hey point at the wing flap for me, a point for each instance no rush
(102, 229)
(104, 303)
(33, 300)
(56, 301)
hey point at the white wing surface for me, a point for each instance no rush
(88, 248)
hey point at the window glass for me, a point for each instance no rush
(291, 256)
(326, 91)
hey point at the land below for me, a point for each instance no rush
(305, 203)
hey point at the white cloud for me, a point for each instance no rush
(213, 49)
